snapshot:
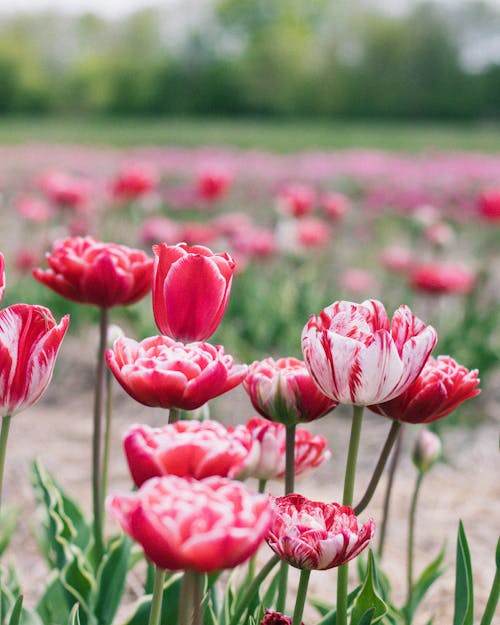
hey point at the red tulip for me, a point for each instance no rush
(276, 618)
(212, 183)
(64, 190)
(196, 449)
(103, 274)
(357, 356)
(162, 372)
(440, 388)
(183, 523)
(310, 450)
(437, 278)
(191, 287)
(314, 535)
(489, 204)
(283, 391)
(296, 200)
(134, 181)
(334, 205)
(30, 339)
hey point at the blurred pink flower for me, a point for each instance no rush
(255, 243)
(439, 233)
(33, 209)
(296, 200)
(334, 205)
(213, 182)
(442, 278)
(64, 190)
(488, 204)
(160, 230)
(357, 281)
(133, 181)
(397, 258)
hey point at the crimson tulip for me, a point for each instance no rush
(203, 525)
(196, 449)
(30, 340)
(442, 278)
(283, 391)
(191, 287)
(271, 617)
(440, 388)
(357, 356)
(159, 371)
(134, 181)
(314, 535)
(90, 272)
(310, 450)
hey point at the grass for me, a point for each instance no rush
(279, 135)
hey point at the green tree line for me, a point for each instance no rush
(256, 57)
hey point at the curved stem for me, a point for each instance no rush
(388, 491)
(4, 434)
(155, 614)
(411, 538)
(107, 438)
(350, 474)
(251, 591)
(97, 436)
(300, 600)
(491, 604)
(384, 454)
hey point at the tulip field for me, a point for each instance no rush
(243, 387)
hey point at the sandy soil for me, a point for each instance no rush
(466, 486)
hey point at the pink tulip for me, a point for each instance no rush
(397, 259)
(255, 243)
(276, 618)
(183, 523)
(30, 340)
(34, 210)
(357, 356)
(440, 388)
(196, 449)
(191, 287)
(283, 391)
(159, 371)
(313, 233)
(160, 229)
(334, 205)
(314, 535)
(103, 274)
(440, 278)
(64, 190)
(296, 200)
(197, 233)
(489, 204)
(357, 281)
(310, 450)
(212, 183)
(427, 450)
(134, 181)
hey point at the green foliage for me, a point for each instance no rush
(464, 582)
(427, 578)
(368, 607)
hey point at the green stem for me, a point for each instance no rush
(107, 438)
(377, 473)
(97, 437)
(174, 414)
(4, 434)
(186, 600)
(411, 538)
(155, 614)
(197, 598)
(300, 600)
(350, 474)
(388, 491)
(491, 605)
(252, 590)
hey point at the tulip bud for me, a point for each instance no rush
(427, 450)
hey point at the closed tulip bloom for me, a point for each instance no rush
(203, 525)
(90, 272)
(357, 356)
(188, 449)
(311, 451)
(191, 287)
(440, 388)
(314, 535)
(442, 278)
(427, 450)
(283, 391)
(159, 371)
(30, 340)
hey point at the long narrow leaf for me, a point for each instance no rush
(464, 588)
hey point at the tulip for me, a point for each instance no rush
(212, 183)
(314, 535)
(30, 339)
(440, 388)
(310, 450)
(296, 200)
(440, 278)
(90, 272)
(276, 618)
(33, 210)
(334, 205)
(426, 451)
(357, 356)
(203, 525)
(191, 287)
(64, 189)
(134, 181)
(283, 391)
(159, 371)
(188, 449)
(489, 204)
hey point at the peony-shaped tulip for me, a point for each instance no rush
(159, 371)
(195, 449)
(311, 451)
(30, 340)
(282, 390)
(271, 617)
(191, 287)
(357, 356)
(440, 388)
(90, 272)
(314, 535)
(204, 525)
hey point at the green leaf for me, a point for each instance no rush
(111, 579)
(368, 599)
(15, 614)
(464, 585)
(169, 608)
(430, 574)
(323, 607)
(330, 618)
(8, 522)
(79, 584)
(53, 606)
(367, 617)
(74, 616)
